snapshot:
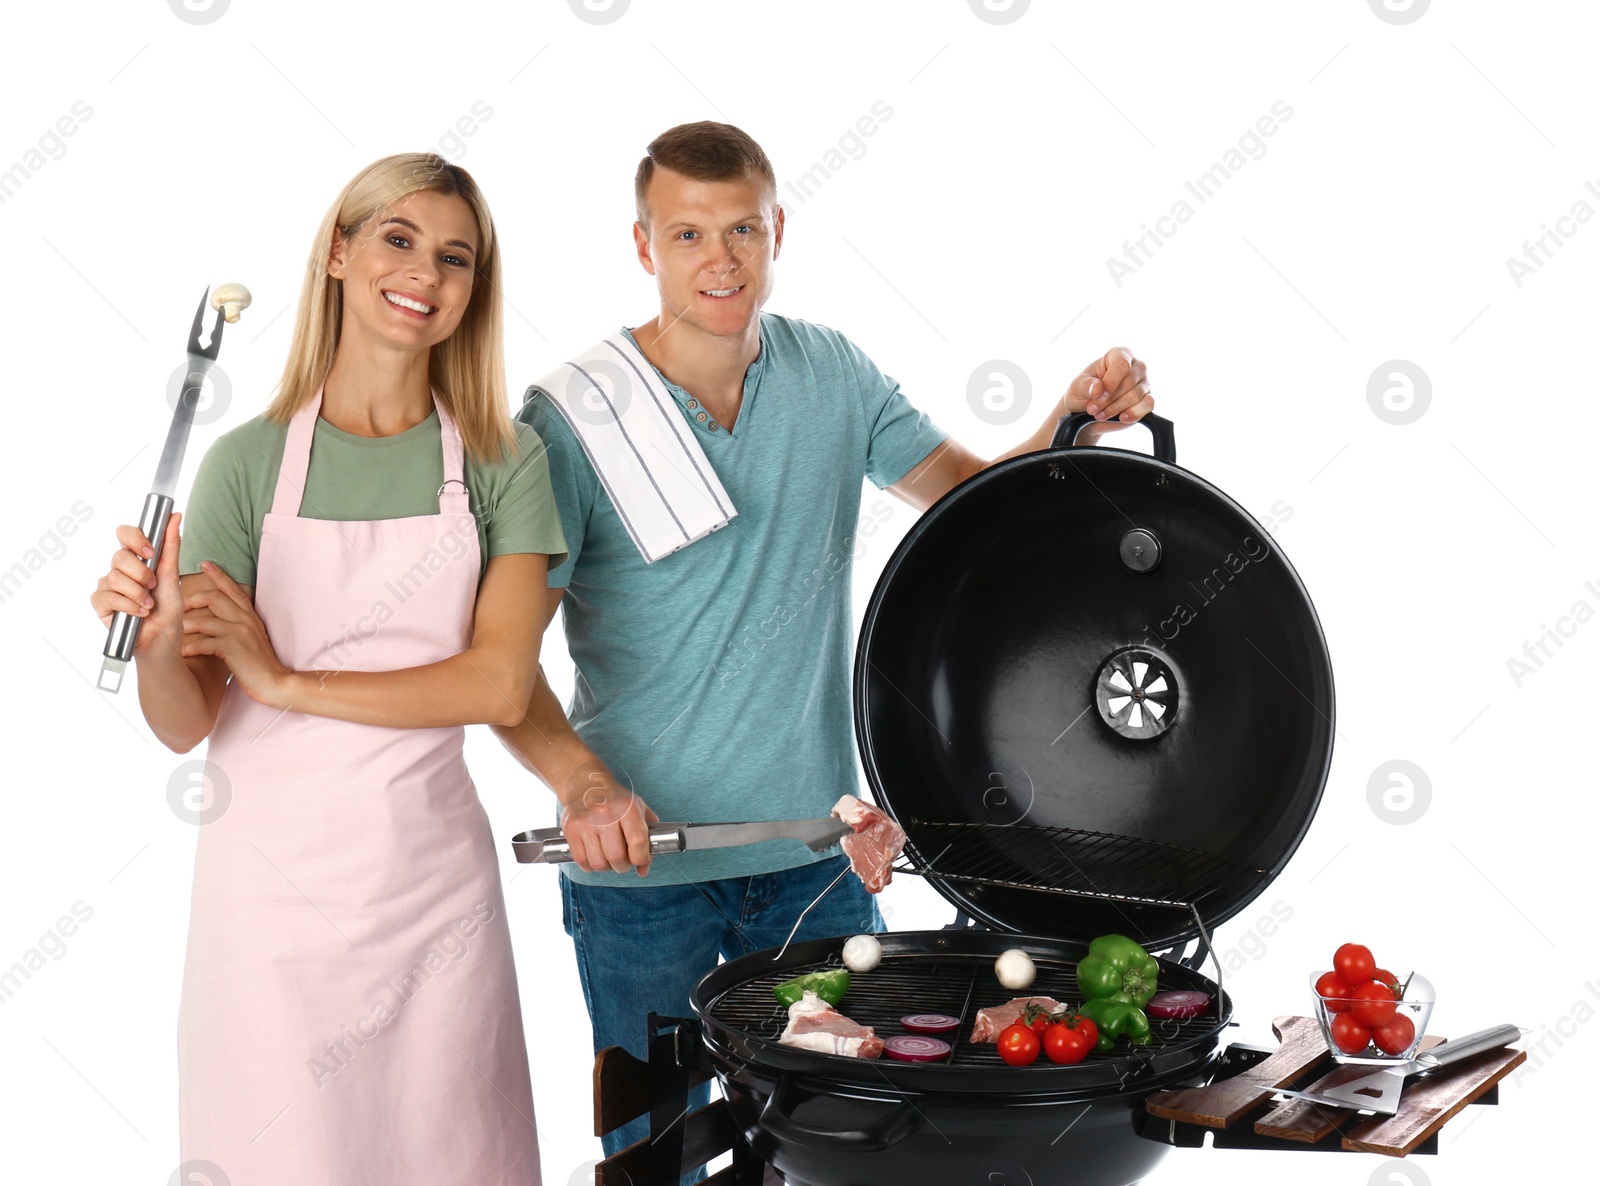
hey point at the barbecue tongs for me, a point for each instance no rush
(549, 846)
(159, 502)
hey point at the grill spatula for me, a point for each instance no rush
(1379, 1090)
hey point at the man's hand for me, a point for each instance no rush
(605, 823)
(1113, 388)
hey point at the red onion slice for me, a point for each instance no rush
(1178, 1004)
(915, 1048)
(930, 1023)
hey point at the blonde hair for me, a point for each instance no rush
(468, 368)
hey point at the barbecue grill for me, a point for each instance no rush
(1097, 698)
(949, 972)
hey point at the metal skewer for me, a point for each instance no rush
(807, 911)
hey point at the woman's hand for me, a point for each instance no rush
(131, 588)
(178, 696)
(222, 621)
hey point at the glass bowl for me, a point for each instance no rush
(1417, 1005)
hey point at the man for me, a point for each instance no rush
(714, 683)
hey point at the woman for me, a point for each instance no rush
(350, 1011)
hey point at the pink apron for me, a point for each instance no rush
(350, 1013)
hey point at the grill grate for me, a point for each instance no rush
(941, 982)
(1070, 861)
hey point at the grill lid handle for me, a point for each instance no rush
(889, 1129)
(1161, 433)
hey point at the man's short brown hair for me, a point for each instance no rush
(705, 151)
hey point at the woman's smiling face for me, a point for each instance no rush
(408, 271)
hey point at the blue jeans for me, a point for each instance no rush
(643, 950)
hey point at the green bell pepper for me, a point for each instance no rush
(1116, 964)
(830, 986)
(1116, 1017)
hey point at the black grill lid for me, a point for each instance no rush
(1095, 694)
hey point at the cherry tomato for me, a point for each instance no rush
(1070, 1043)
(1349, 1035)
(1334, 992)
(1353, 964)
(1395, 1035)
(1040, 1023)
(1384, 976)
(1372, 1003)
(1019, 1045)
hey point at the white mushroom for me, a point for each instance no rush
(1014, 969)
(230, 298)
(862, 953)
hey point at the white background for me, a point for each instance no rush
(974, 224)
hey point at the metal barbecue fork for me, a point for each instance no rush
(159, 502)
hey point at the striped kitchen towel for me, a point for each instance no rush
(641, 445)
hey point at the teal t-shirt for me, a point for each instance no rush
(716, 681)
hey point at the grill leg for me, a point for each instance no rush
(669, 1095)
(748, 1169)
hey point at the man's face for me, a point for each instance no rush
(711, 246)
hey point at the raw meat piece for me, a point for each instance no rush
(996, 1017)
(816, 1025)
(873, 845)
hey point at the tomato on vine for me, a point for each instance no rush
(1069, 1041)
(1018, 1045)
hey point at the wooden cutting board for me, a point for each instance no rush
(1427, 1103)
(1218, 1105)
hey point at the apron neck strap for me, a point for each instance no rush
(291, 488)
(453, 494)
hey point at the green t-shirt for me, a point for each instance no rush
(353, 477)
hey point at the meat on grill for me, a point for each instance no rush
(816, 1025)
(873, 845)
(996, 1017)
